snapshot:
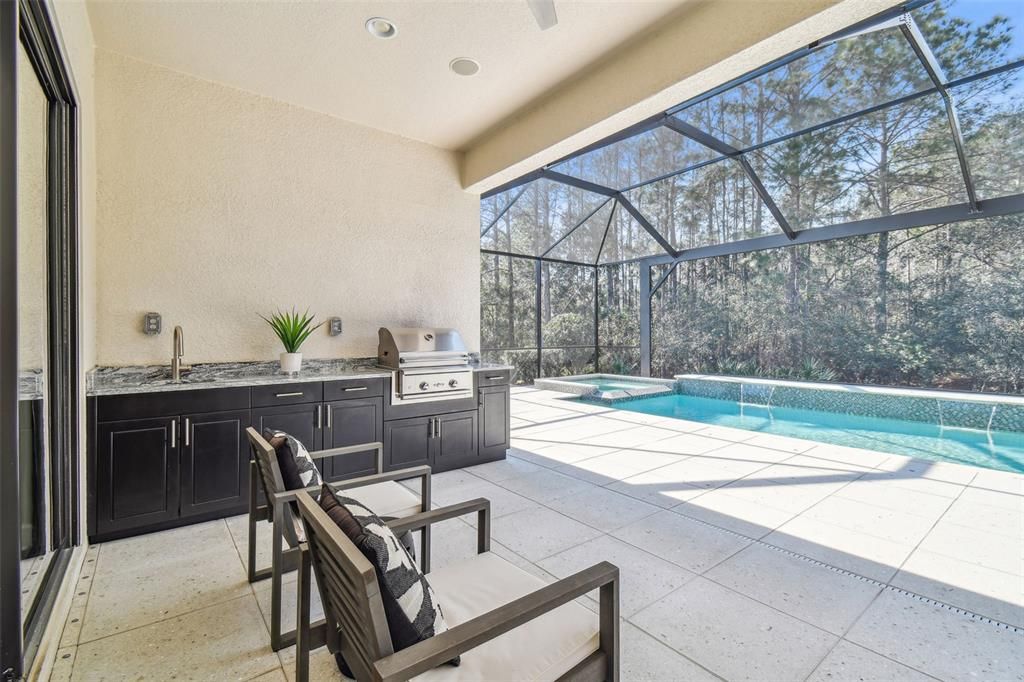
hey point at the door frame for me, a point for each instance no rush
(29, 24)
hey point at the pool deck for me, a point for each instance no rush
(753, 556)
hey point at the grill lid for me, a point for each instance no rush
(406, 347)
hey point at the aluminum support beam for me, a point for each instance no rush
(645, 319)
(628, 205)
(912, 32)
(502, 212)
(576, 227)
(577, 182)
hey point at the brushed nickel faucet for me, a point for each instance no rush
(179, 350)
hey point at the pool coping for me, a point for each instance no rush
(929, 393)
(591, 392)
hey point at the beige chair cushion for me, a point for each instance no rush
(543, 649)
(385, 499)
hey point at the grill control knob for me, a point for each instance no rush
(453, 383)
(424, 386)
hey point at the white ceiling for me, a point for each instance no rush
(318, 55)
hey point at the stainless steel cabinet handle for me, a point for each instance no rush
(439, 427)
(187, 429)
(288, 395)
(328, 410)
(174, 433)
(354, 388)
(430, 428)
(494, 377)
(319, 418)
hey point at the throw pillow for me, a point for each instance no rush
(298, 470)
(410, 604)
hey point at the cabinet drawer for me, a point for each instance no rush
(287, 394)
(171, 403)
(353, 388)
(492, 377)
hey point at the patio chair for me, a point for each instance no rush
(504, 623)
(275, 505)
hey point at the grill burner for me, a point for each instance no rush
(427, 364)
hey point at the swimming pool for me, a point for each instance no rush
(992, 449)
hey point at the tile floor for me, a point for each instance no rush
(743, 557)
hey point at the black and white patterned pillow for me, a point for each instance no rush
(298, 470)
(409, 602)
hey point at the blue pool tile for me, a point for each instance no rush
(1008, 418)
(966, 415)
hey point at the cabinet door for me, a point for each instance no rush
(455, 442)
(351, 422)
(214, 462)
(494, 422)
(301, 421)
(407, 442)
(136, 473)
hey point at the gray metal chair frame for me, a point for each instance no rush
(358, 626)
(277, 507)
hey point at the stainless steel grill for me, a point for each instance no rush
(427, 364)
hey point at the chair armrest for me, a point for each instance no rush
(397, 475)
(480, 506)
(351, 450)
(432, 652)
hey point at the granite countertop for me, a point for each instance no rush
(156, 378)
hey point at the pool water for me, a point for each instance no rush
(1002, 450)
(612, 385)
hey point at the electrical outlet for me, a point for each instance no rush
(151, 324)
(334, 326)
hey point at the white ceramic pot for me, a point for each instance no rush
(291, 363)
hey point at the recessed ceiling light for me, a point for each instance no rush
(464, 66)
(379, 27)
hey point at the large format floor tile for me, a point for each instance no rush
(851, 663)
(645, 659)
(733, 635)
(617, 465)
(178, 578)
(539, 533)
(644, 577)
(223, 642)
(938, 641)
(603, 509)
(693, 545)
(817, 595)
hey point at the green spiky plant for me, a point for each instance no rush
(292, 328)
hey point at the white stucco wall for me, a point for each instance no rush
(215, 204)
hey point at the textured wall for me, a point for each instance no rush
(216, 204)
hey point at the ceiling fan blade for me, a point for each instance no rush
(544, 13)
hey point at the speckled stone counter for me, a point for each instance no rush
(155, 378)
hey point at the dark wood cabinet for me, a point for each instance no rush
(164, 459)
(407, 442)
(455, 442)
(446, 441)
(350, 422)
(495, 404)
(214, 462)
(304, 422)
(137, 481)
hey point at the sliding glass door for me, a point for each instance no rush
(39, 449)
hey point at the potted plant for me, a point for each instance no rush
(293, 329)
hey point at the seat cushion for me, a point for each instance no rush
(386, 499)
(298, 470)
(543, 649)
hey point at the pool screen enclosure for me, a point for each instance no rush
(876, 172)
